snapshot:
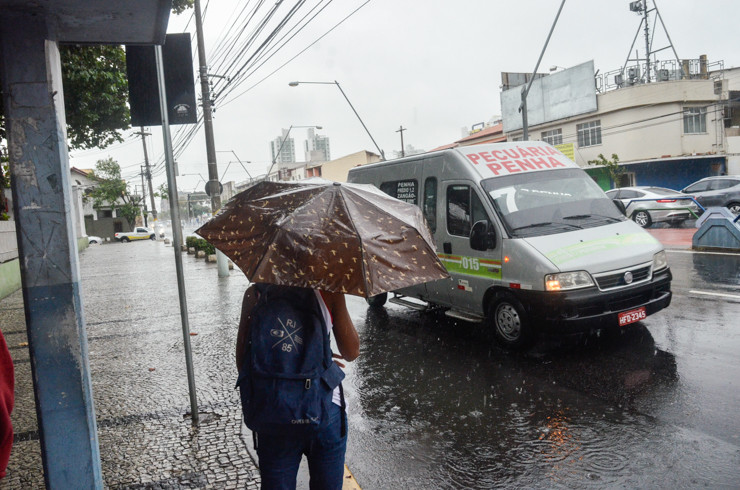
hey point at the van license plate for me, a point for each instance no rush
(632, 316)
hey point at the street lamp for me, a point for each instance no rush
(295, 84)
(525, 88)
(196, 174)
(240, 163)
(282, 143)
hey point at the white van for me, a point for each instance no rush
(531, 242)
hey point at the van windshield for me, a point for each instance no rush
(549, 202)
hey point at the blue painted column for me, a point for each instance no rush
(39, 168)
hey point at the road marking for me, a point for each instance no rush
(721, 295)
(734, 254)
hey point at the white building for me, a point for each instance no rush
(282, 149)
(317, 147)
(669, 131)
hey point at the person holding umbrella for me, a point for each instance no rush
(323, 240)
(280, 455)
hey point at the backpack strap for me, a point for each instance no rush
(344, 411)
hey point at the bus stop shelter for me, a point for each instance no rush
(30, 70)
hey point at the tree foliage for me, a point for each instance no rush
(612, 166)
(95, 94)
(111, 191)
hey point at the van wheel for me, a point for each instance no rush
(510, 322)
(642, 218)
(377, 301)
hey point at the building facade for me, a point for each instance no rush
(282, 149)
(668, 132)
(317, 147)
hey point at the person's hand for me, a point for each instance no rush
(337, 356)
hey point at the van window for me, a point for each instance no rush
(548, 202)
(405, 190)
(463, 209)
(430, 203)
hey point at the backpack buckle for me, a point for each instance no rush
(308, 384)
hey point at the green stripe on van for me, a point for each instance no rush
(562, 255)
(471, 266)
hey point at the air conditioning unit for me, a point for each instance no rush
(618, 80)
(633, 73)
(664, 75)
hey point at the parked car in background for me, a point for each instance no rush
(139, 233)
(94, 239)
(664, 205)
(721, 191)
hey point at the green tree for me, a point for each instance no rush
(112, 191)
(611, 166)
(164, 192)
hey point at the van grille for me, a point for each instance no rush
(616, 279)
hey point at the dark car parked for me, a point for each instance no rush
(721, 191)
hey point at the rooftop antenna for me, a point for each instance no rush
(641, 7)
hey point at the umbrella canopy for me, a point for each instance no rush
(348, 238)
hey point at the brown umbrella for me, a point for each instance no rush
(348, 238)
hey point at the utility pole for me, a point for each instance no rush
(143, 135)
(213, 185)
(401, 129)
(143, 197)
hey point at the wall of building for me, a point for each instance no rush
(733, 155)
(338, 169)
(10, 270)
(644, 122)
(106, 227)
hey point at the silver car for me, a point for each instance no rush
(646, 205)
(721, 191)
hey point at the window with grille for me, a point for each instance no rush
(554, 137)
(589, 134)
(694, 120)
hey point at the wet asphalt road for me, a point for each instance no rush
(433, 404)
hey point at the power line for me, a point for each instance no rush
(299, 53)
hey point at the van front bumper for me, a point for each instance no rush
(588, 309)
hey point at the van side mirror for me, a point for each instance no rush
(482, 236)
(620, 206)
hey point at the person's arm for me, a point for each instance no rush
(242, 337)
(348, 341)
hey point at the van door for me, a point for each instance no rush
(472, 271)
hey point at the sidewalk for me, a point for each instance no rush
(129, 293)
(137, 360)
(673, 238)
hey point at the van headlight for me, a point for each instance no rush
(660, 261)
(564, 281)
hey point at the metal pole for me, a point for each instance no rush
(401, 129)
(176, 232)
(647, 42)
(525, 92)
(213, 184)
(143, 197)
(148, 172)
(382, 154)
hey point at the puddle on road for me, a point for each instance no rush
(435, 406)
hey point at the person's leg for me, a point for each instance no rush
(326, 454)
(279, 459)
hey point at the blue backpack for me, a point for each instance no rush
(288, 376)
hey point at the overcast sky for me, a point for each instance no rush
(432, 66)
